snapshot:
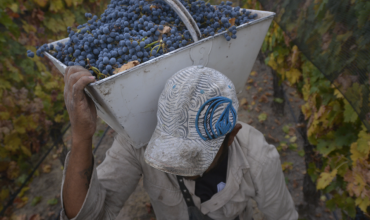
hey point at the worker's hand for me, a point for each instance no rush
(80, 107)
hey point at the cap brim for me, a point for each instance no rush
(178, 156)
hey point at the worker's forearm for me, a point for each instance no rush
(78, 176)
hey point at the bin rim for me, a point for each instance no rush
(157, 59)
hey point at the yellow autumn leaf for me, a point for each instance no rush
(15, 73)
(306, 110)
(280, 59)
(68, 2)
(4, 84)
(363, 203)
(293, 139)
(55, 25)
(360, 182)
(313, 128)
(69, 18)
(253, 73)
(23, 190)
(363, 143)
(41, 94)
(56, 5)
(286, 166)
(12, 142)
(51, 85)
(28, 27)
(77, 2)
(40, 66)
(46, 168)
(325, 179)
(295, 55)
(14, 7)
(272, 62)
(4, 115)
(243, 101)
(306, 91)
(20, 124)
(293, 75)
(58, 118)
(26, 151)
(4, 193)
(32, 122)
(355, 154)
(338, 94)
(41, 3)
(262, 117)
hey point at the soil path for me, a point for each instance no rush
(257, 101)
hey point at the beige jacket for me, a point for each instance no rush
(254, 171)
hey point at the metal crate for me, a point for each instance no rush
(127, 101)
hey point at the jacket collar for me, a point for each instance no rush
(237, 165)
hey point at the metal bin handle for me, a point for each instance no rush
(185, 16)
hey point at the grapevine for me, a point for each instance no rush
(31, 90)
(333, 124)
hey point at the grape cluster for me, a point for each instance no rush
(132, 30)
(30, 54)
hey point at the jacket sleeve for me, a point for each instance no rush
(111, 183)
(272, 195)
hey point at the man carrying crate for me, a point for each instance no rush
(199, 164)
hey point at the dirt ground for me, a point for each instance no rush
(257, 100)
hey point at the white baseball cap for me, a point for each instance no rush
(197, 108)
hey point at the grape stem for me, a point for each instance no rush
(151, 44)
(159, 46)
(98, 73)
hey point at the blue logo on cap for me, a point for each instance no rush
(223, 124)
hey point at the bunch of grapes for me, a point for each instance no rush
(131, 30)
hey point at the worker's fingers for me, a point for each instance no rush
(76, 76)
(78, 92)
(71, 70)
(71, 80)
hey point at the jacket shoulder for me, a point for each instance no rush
(254, 145)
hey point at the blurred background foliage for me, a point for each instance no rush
(32, 111)
(321, 47)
